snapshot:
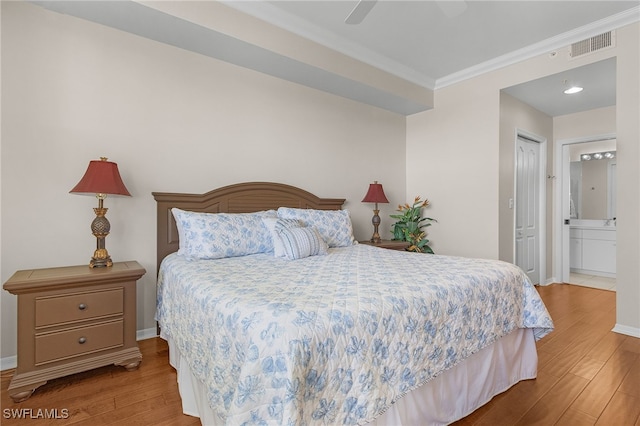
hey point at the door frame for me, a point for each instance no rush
(542, 194)
(612, 175)
(560, 237)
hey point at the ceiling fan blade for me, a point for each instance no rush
(359, 12)
(452, 8)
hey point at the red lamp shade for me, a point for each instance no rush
(101, 177)
(375, 194)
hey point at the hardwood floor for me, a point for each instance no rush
(108, 395)
(587, 375)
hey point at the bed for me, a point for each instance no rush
(326, 330)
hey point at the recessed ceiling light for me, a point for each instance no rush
(573, 89)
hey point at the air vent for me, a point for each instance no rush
(590, 45)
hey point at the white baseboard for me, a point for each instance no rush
(148, 333)
(625, 329)
(549, 281)
(8, 362)
(12, 361)
(596, 273)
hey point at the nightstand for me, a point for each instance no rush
(388, 244)
(73, 319)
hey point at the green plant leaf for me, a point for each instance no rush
(409, 224)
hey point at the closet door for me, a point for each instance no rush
(527, 238)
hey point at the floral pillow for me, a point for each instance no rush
(218, 235)
(333, 225)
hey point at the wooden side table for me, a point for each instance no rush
(73, 319)
(388, 244)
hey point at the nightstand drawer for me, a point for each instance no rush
(78, 307)
(59, 345)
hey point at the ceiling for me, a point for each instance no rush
(547, 94)
(434, 45)
(417, 37)
(422, 42)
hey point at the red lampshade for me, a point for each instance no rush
(101, 177)
(375, 194)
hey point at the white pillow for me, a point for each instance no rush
(275, 223)
(218, 235)
(333, 225)
(299, 243)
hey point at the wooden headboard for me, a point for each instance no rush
(239, 198)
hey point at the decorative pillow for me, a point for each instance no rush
(301, 242)
(273, 224)
(333, 225)
(218, 235)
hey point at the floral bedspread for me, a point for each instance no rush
(335, 338)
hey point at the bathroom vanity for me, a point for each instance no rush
(593, 247)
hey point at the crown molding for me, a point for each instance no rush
(289, 22)
(293, 24)
(561, 41)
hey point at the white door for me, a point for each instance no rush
(527, 208)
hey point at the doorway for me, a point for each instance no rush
(563, 202)
(544, 95)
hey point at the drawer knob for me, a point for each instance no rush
(82, 340)
(82, 306)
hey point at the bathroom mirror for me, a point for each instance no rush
(593, 180)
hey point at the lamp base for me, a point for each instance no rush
(375, 238)
(100, 259)
(100, 228)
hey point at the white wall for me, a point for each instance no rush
(174, 121)
(452, 158)
(628, 169)
(600, 121)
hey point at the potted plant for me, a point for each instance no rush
(410, 224)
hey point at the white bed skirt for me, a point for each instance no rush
(449, 397)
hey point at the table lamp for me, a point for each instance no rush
(375, 195)
(101, 178)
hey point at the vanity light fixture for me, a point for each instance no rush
(598, 156)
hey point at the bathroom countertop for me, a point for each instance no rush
(600, 224)
(603, 228)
